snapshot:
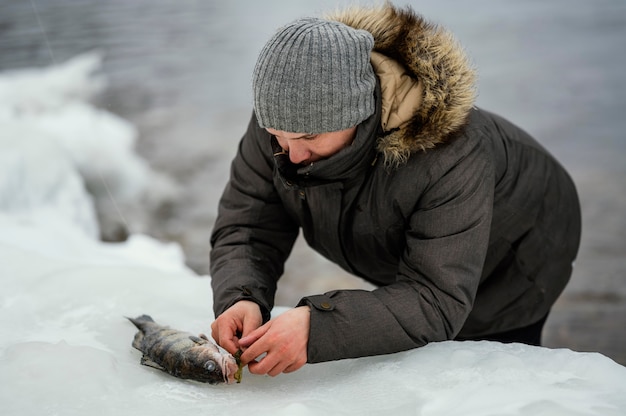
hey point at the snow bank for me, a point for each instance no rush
(47, 119)
(65, 347)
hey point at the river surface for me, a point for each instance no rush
(180, 71)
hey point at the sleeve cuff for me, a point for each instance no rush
(253, 295)
(319, 302)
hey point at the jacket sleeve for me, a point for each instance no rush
(447, 236)
(253, 235)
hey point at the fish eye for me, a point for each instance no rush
(210, 365)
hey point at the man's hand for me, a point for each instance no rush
(241, 318)
(284, 339)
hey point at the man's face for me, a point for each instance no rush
(305, 149)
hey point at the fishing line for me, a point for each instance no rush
(53, 60)
(43, 32)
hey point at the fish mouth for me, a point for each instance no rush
(229, 368)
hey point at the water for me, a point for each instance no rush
(180, 71)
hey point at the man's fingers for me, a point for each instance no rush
(249, 325)
(231, 346)
(295, 366)
(253, 336)
(228, 342)
(265, 366)
(225, 335)
(273, 365)
(254, 346)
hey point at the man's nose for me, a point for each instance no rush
(298, 152)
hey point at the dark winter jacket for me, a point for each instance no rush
(463, 221)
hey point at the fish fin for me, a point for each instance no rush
(140, 320)
(145, 360)
(137, 340)
(198, 340)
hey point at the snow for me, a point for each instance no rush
(65, 346)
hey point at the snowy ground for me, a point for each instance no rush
(65, 347)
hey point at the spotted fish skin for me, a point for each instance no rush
(182, 354)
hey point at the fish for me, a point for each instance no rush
(182, 354)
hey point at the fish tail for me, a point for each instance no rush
(137, 340)
(140, 320)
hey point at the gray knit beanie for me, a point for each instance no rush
(314, 76)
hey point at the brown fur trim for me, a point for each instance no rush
(432, 55)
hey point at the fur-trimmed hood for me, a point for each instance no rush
(427, 81)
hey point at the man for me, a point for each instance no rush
(365, 136)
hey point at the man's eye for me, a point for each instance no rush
(311, 137)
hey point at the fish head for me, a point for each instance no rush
(212, 366)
